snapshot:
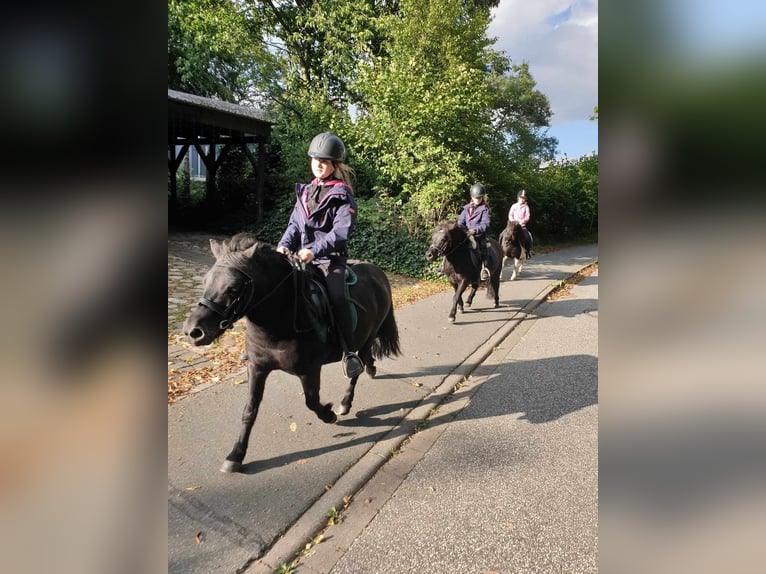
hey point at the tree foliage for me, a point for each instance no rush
(215, 49)
(564, 200)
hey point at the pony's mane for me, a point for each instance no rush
(234, 248)
(240, 242)
(447, 225)
(513, 225)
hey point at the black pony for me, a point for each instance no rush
(512, 244)
(462, 265)
(252, 280)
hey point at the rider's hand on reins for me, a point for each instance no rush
(305, 255)
(291, 257)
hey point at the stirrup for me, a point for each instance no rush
(352, 365)
(484, 275)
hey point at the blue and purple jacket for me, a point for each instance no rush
(475, 217)
(326, 229)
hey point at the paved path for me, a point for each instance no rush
(298, 468)
(511, 484)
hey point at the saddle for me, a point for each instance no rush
(476, 256)
(317, 302)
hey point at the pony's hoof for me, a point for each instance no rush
(332, 418)
(230, 466)
(451, 319)
(341, 410)
(497, 305)
(372, 371)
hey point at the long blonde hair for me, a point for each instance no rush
(344, 173)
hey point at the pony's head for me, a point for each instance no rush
(441, 240)
(229, 288)
(511, 235)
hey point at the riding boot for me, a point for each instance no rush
(484, 275)
(351, 364)
(528, 244)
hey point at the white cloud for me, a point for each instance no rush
(559, 40)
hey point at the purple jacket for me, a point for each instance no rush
(326, 229)
(477, 219)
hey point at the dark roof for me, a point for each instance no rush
(193, 117)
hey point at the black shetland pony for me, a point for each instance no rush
(451, 242)
(252, 280)
(512, 245)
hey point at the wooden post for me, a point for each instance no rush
(261, 178)
(174, 160)
(172, 174)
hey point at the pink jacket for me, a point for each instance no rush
(519, 212)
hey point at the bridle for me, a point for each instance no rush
(239, 306)
(441, 249)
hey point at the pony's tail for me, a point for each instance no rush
(386, 342)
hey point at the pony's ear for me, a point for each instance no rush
(216, 247)
(250, 251)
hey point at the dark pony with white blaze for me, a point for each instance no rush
(451, 242)
(512, 246)
(251, 279)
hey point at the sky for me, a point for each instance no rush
(559, 41)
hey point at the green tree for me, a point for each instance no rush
(423, 104)
(564, 200)
(215, 49)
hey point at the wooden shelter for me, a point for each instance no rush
(197, 121)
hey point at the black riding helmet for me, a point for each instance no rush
(522, 193)
(327, 146)
(477, 190)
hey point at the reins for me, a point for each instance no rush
(235, 311)
(453, 249)
(239, 307)
(297, 266)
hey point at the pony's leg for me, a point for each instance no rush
(516, 269)
(348, 399)
(369, 361)
(369, 367)
(257, 380)
(457, 301)
(471, 295)
(310, 382)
